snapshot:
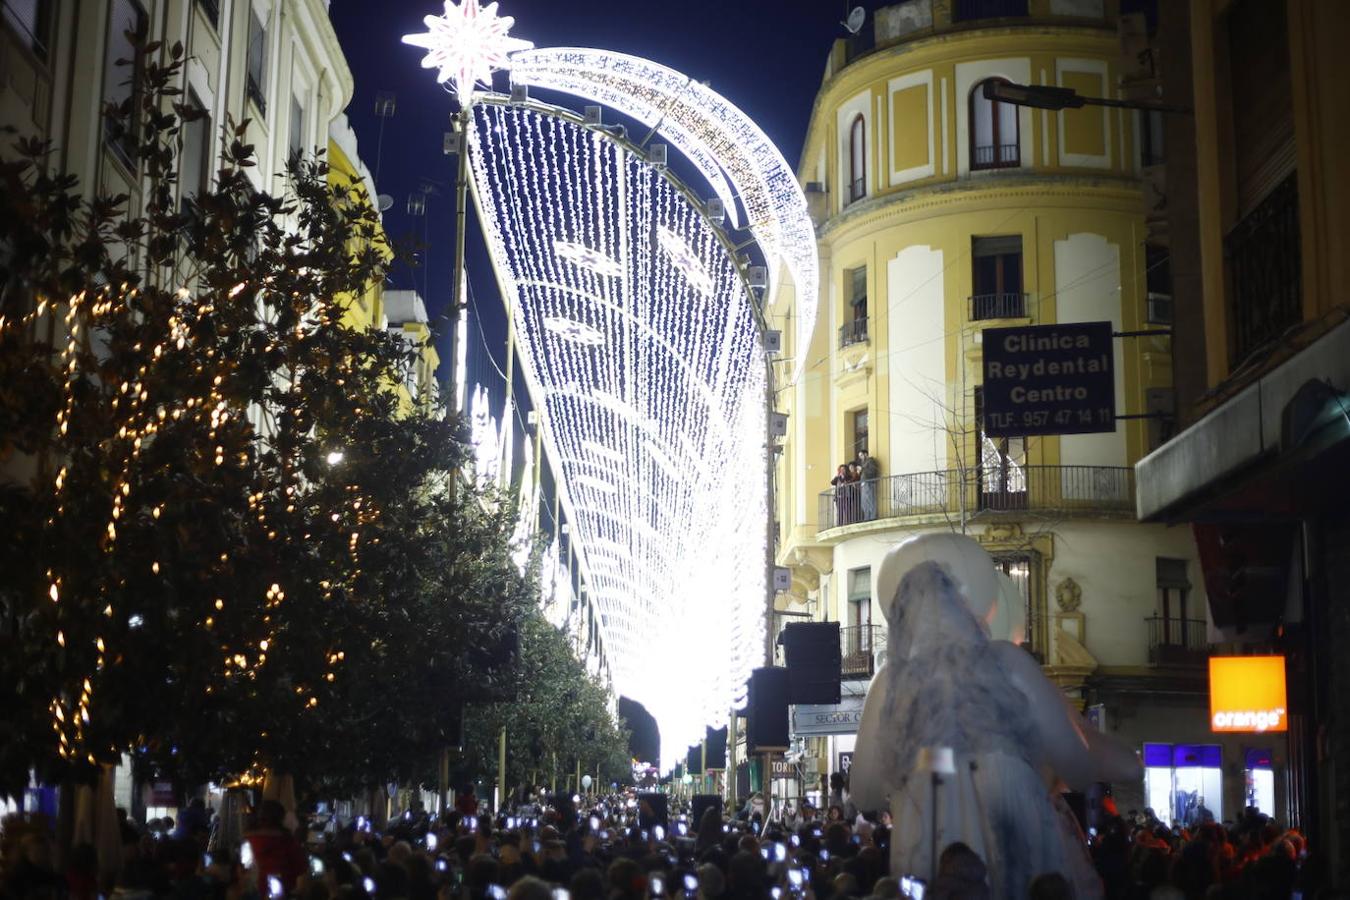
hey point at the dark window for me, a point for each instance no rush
(1152, 138)
(257, 61)
(996, 278)
(122, 77)
(857, 159)
(971, 10)
(854, 329)
(297, 126)
(1000, 467)
(1173, 591)
(210, 9)
(858, 435)
(1158, 279)
(995, 141)
(32, 21)
(194, 164)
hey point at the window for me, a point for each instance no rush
(857, 635)
(1158, 281)
(210, 9)
(257, 61)
(31, 20)
(971, 10)
(995, 141)
(122, 81)
(297, 127)
(194, 162)
(854, 329)
(857, 159)
(996, 278)
(1017, 566)
(1173, 590)
(1001, 470)
(857, 432)
(1152, 138)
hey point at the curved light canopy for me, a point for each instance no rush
(640, 344)
(725, 144)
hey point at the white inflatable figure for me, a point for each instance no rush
(1012, 734)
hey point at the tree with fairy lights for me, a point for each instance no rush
(231, 545)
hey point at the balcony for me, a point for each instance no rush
(998, 306)
(854, 332)
(858, 646)
(1177, 642)
(1085, 491)
(991, 156)
(1265, 296)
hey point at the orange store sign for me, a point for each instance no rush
(1246, 694)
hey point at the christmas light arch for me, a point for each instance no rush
(642, 344)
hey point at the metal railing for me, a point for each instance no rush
(998, 306)
(858, 646)
(854, 332)
(1047, 490)
(1173, 642)
(973, 10)
(990, 156)
(1265, 295)
(857, 189)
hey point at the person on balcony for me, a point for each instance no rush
(840, 482)
(869, 471)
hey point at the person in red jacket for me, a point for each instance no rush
(276, 852)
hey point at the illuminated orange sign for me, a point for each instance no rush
(1246, 694)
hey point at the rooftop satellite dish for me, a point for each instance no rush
(855, 20)
(385, 201)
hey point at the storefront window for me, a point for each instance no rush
(1183, 783)
(1260, 781)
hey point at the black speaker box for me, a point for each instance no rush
(700, 804)
(717, 748)
(811, 650)
(652, 810)
(767, 728)
(693, 760)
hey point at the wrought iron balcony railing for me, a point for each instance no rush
(998, 306)
(858, 648)
(857, 190)
(1265, 293)
(1062, 490)
(1177, 642)
(996, 156)
(854, 332)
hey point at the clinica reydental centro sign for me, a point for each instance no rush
(1049, 379)
(1247, 694)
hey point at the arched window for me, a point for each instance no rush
(994, 139)
(857, 159)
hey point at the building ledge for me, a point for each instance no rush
(1279, 413)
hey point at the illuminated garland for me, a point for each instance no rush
(717, 137)
(641, 349)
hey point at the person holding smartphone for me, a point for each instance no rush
(276, 852)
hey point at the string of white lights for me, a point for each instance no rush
(716, 136)
(640, 346)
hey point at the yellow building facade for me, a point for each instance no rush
(940, 213)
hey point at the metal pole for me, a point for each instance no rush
(501, 769)
(457, 304)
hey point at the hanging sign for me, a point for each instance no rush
(1247, 694)
(1049, 379)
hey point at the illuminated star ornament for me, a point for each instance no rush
(467, 44)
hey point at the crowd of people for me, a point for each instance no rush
(618, 847)
(855, 490)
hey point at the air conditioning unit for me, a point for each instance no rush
(1159, 309)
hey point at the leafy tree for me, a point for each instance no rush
(559, 712)
(232, 548)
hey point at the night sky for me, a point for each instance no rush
(766, 56)
(763, 55)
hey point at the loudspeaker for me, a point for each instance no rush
(717, 748)
(767, 728)
(693, 760)
(811, 650)
(700, 804)
(652, 810)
